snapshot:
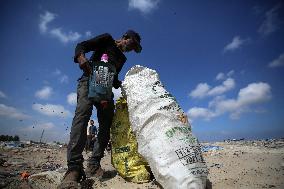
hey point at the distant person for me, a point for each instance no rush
(113, 49)
(94, 134)
(89, 143)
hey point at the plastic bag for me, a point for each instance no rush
(125, 157)
(163, 133)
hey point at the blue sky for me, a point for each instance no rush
(222, 60)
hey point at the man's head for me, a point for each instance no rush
(131, 41)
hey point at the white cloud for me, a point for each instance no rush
(236, 43)
(44, 93)
(57, 72)
(64, 79)
(88, 33)
(200, 91)
(56, 32)
(44, 20)
(145, 6)
(271, 21)
(230, 73)
(52, 110)
(72, 99)
(277, 62)
(12, 112)
(220, 76)
(226, 86)
(197, 112)
(2, 95)
(203, 89)
(52, 132)
(253, 94)
(65, 37)
(40, 127)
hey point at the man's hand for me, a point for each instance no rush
(81, 58)
(86, 67)
(84, 64)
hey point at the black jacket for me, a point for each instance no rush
(99, 45)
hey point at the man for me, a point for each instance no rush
(102, 44)
(94, 134)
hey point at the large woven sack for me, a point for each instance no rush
(163, 133)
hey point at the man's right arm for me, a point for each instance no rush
(91, 45)
(87, 46)
(84, 64)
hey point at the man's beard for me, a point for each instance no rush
(127, 48)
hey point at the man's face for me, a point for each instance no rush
(92, 122)
(128, 45)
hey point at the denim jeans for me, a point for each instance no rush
(78, 135)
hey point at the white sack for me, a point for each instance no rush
(164, 139)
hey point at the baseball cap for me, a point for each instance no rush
(136, 39)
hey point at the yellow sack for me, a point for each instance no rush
(125, 157)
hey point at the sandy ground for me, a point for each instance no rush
(238, 165)
(251, 167)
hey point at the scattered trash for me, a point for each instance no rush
(25, 175)
(50, 166)
(13, 144)
(211, 148)
(216, 165)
